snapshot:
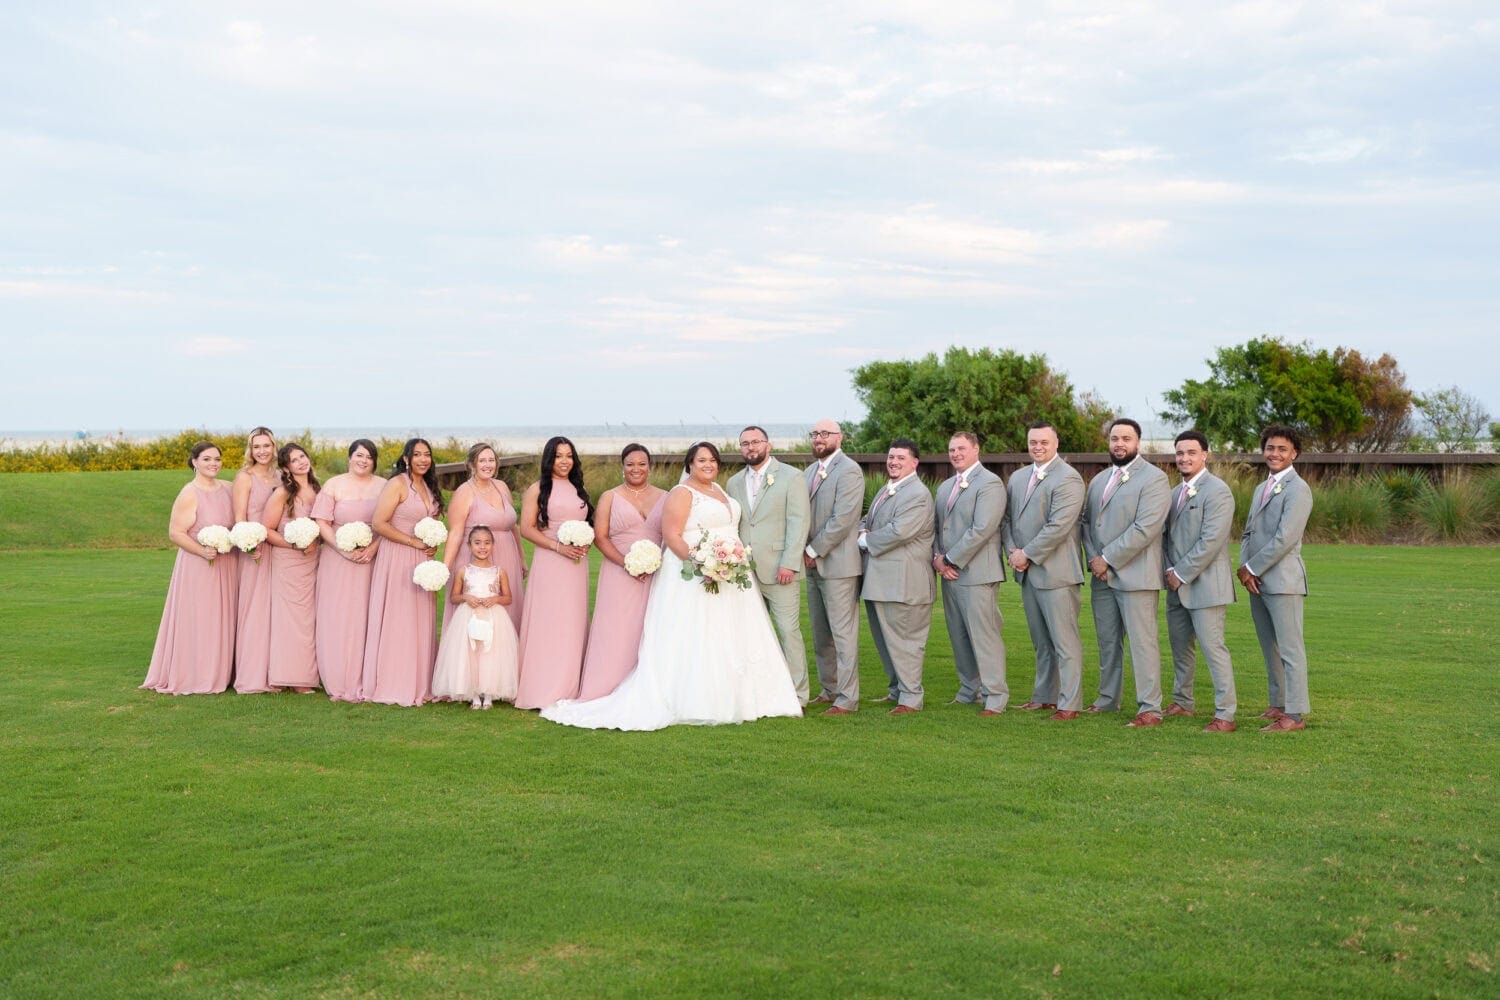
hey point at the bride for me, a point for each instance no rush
(704, 658)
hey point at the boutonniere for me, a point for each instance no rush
(1192, 492)
(890, 490)
(1124, 477)
(770, 479)
(822, 473)
(963, 483)
(1277, 490)
(1041, 475)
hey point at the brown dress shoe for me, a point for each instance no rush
(1062, 715)
(822, 699)
(1285, 724)
(904, 710)
(1272, 713)
(1143, 720)
(1219, 726)
(1036, 706)
(836, 710)
(990, 712)
(1176, 709)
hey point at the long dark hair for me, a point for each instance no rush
(692, 453)
(368, 446)
(403, 464)
(288, 481)
(575, 476)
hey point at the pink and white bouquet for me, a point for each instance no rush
(247, 536)
(643, 558)
(430, 532)
(216, 537)
(579, 533)
(431, 575)
(301, 532)
(718, 560)
(354, 535)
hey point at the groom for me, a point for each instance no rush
(773, 522)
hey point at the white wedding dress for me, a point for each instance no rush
(704, 658)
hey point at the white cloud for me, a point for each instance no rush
(581, 249)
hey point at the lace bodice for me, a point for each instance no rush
(710, 514)
(482, 581)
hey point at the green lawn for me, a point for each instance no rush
(278, 845)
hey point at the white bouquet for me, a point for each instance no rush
(216, 537)
(430, 532)
(430, 575)
(301, 532)
(644, 557)
(247, 536)
(354, 535)
(579, 533)
(718, 560)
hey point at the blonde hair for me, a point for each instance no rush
(250, 446)
(472, 459)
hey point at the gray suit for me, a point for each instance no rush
(833, 583)
(1272, 548)
(1043, 524)
(1126, 528)
(967, 532)
(898, 590)
(1196, 547)
(775, 528)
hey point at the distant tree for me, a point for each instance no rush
(1495, 432)
(1453, 419)
(995, 394)
(1340, 400)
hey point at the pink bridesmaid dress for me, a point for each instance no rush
(619, 603)
(555, 621)
(507, 553)
(194, 651)
(343, 602)
(252, 630)
(401, 636)
(294, 579)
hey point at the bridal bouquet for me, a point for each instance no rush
(301, 532)
(431, 575)
(579, 533)
(216, 537)
(644, 557)
(718, 561)
(430, 532)
(354, 535)
(247, 536)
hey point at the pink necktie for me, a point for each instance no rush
(1109, 487)
(754, 487)
(1266, 493)
(879, 498)
(1182, 497)
(953, 494)
(817, 480)
(1031, 485)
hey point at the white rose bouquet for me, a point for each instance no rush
(216, 537)
(579, 533)
(247, 536)
(430, 532)
(431, 575)
(643, 558)
(354, 535)
(301, 532)
(718, 561)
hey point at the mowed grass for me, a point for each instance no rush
(278, 845)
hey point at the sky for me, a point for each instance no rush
(460, 213)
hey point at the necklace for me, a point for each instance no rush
(637, 492)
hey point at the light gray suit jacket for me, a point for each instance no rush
(1272, 543)
(898, 559)
(1196, 543)
(969, 533)
(833, 531)
(1045, 527)
(776, 530)
(1127, 529)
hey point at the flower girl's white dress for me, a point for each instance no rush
(704, 658)
(466, 667)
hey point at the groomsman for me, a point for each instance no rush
(1040, 536)
(970, 512)
(1200, 586)
(1121, 531)
(896, 537)
(773, 522)
(1272, 571)
(836, 493)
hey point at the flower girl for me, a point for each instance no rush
(476, 661)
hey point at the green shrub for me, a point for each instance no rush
(1459, 509)
(1403, 487)
(1350, 510)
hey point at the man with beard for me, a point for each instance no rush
(836, 495)
(773, 522)
(1121, 529)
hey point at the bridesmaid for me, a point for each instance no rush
(554, 623)
(486, 500)
(294, 576)
(194, 651)
(343, 592)
(252, 633)
(400, 639)
(627, 514)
